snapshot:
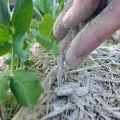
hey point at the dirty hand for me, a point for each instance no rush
(94, 33)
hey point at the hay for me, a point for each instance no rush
(89, 93)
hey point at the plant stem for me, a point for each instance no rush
(12, 60)
(60, 70)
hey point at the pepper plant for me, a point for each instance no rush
(13, 27)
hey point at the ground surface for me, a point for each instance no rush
(89, 93)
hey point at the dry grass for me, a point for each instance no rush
(89, 93)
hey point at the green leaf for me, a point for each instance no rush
(28, 63)
(4, 86)
(60, 1)
(47, 42)
(19, 49)
(55, 7)
(5, 47)
(44, 41)
(22, 16)
(38, 6)
(34, 24)
(25, 87)
(42, 7)
(61, 6)
(4, 21)
(4, 15)
(4, 36)
(46, 25)
(47, 6)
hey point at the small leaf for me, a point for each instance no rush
(39, 6)
(42, 7)
(60, 1)
(44, 41)
(21, 19)
(4, 15)
(25, 87)
(3, 87)
(47, 7)
(47, 42)
(34, 24)
(5, 47)
(46, 25)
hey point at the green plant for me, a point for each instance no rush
(13, 27)
(48, 11)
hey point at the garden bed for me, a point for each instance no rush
(89, 93)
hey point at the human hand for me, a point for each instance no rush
(94, 33)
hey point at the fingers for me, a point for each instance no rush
(59, 29)
(79, 12)
(101, 6)
(66, 41)
(94, 34)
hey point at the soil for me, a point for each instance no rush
(91, 92)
